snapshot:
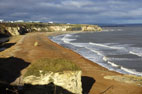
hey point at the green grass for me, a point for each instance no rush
(53, 65)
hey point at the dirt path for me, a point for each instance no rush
(93, 74)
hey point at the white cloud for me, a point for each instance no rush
(77, 3)
(136, 12)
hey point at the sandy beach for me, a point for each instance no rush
(97, 80)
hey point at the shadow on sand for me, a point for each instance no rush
(87, 83)
(10, 69)
(5, 46)
(35, 89)
(45, 89)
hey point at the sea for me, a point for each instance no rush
(117, 48)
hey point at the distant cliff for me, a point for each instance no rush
(12, 29)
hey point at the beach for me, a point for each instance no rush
(97, 80)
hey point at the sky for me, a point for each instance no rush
(73, 11)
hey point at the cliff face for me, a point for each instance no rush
(59, 28)
(69, 80)
(13, 29)
(91, 28)
(76, 28)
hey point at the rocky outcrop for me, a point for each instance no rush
(13, 30)
(61, 72)
(91, 28)
(69, 80)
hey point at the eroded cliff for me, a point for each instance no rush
(13, 29)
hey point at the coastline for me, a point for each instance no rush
(91, 51)
(89, 68)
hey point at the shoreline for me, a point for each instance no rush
(123, 70)
(89, 68)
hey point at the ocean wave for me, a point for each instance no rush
(131, 71)
(136, 53)
(122, 69)
(66, 38)
(94, 54)
(111, 30)
(108, 30)
(122, 49)
(114, 65)
(103, 45)
(95, 51)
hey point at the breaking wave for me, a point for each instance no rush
(93, 52)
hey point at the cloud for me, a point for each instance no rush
(17, 14)
(72, 11)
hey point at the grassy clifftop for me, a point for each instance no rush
(50, 65)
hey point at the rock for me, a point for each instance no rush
(13, 30)
(126, 79)
(69, 80)
(36, 43)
